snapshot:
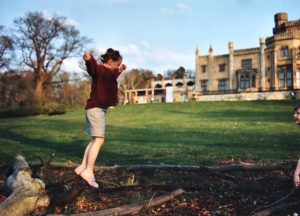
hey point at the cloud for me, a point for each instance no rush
(180, 8)
(137, 56)
(157, 60)
(68, 21)
(145, 44)
(71, 65)
(71, 22)
(131, 50)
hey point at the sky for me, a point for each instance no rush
(160, 35)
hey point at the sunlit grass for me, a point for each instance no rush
(181, 133)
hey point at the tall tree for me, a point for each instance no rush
(6, 48)
(177, 74)
(135, 79)
(45, 43)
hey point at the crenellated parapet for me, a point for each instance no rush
(247, 51)
(284, 35)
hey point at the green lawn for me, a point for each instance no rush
(180, 133)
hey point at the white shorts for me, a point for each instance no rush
(95, 122)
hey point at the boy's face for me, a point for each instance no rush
(297, 116)
(115, 64)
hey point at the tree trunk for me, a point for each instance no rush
(39, 90)
(27, 194)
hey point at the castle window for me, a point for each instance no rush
(222, 67)
(204, 85)
(245, 82)
(284, 51)
(288, 78)
(298, 78)
(179, 85)
(285, 77)
(246, 63)
(281, 79)
(253, 81)
(203, 68)
(222, 86)
(190, 83)
(242, 82)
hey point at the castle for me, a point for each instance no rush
(270, 71)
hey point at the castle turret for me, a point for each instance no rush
(280, 19)
(230, 67)
(210, 68)
(262, 42)
(197, 71)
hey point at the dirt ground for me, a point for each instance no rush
(235, 193)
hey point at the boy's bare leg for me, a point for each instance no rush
(81, 167)
(88, 173)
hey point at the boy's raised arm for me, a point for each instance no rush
(90, 63)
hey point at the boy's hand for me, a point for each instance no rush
(122, 68)
(87, 56)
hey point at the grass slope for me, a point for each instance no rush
(179, 133)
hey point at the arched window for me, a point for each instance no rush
(168, 84)
(179, 84)
(284, 51)
(190, 83)
(157, 86)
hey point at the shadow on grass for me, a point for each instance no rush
(157, 144)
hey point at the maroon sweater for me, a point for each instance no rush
(104, 87)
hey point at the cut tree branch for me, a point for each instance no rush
(132, 208)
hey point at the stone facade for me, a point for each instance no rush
(273, 66)
(182, 90)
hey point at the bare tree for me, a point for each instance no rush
(135, 79)
(45, 43)
(6, 48)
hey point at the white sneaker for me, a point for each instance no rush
(89, 178)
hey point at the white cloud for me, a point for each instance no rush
(145, 44)
(67, 22)
(72, 22)
(136, 56)
(157, 60)
(179, 8)
(131, 50)
(71, 65)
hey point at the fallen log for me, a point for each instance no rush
(218, 168)
(132, 208)
(273, 210)
(26, 193)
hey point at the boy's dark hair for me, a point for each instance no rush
(296, 108)
(111, 54)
